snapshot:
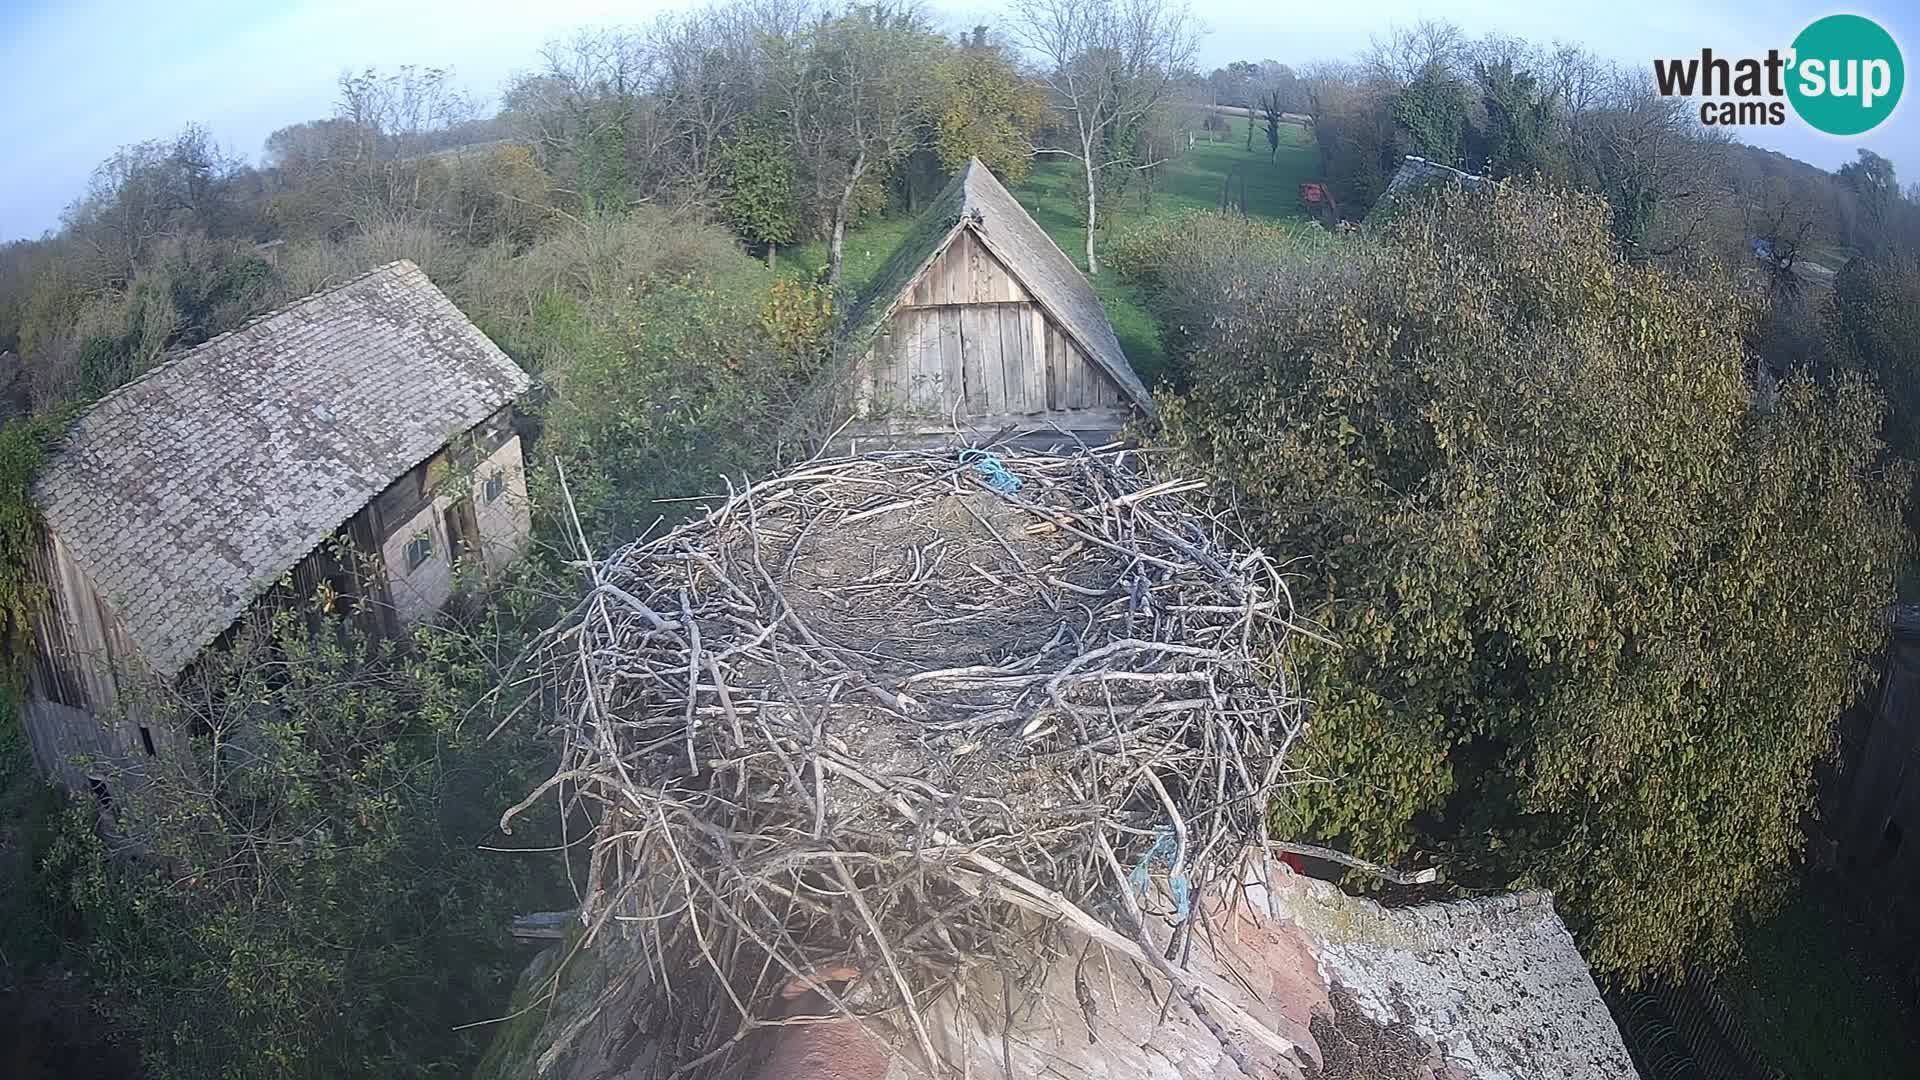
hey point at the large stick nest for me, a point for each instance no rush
(880, 721)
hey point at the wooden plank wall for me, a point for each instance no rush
(969, 340)
(76, 706)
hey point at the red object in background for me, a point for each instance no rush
(1293, 862)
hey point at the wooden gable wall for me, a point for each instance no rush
(968, 340)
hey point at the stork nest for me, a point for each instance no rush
(878, 723)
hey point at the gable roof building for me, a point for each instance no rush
(1416, 174)
(180, 499)
(979, 322)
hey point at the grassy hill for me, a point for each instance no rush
(1051, 194)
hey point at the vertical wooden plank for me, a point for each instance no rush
(942, 272)
(863, 375)
(952, 365)
(979, 285)
(943, 266)
(1082, 377)
(899, 373)
(1033, 358)
(982, 263)
(1069, 369)
(879, 364)
(923, 373)
(1049, 347)
(981, 337)
(935, 398)
(1013, 381)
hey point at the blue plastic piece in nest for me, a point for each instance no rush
(1164, 848)
(990, 466)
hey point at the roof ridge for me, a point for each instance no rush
(177, 356)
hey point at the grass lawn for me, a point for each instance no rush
(1814, 997)
(1051, 194)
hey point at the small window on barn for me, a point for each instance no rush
(496, 484)
(146, 740)
(419, 550)
(100, 793)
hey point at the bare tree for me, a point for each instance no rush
(1664, 175)
(1109, 65)
(1782, 220)
(1409, 51)
(586, 111)
(144, 192)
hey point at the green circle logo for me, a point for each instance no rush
(1846, 75)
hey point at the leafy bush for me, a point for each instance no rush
(675, 388)
(1597, 606)
(304, 899)
(1187, 264)
(1872, 326)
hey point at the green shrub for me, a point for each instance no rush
(1192, 265)
(304, 897)
(1597, 605)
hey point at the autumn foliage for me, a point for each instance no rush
(1598, 600)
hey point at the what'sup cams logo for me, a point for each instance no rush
(1843, 76)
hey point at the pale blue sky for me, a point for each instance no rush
(86, 76)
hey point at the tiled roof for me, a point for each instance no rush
(186, 493)
(1416, 173)
(1494, 987)
(1482, 989)
(975, 199)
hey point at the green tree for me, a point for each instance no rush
(1871, 178)
(1517, 137)
(1432, 110)
(1872, 327)
(757, 181)
(853, 98)
(1597, 605)
(986, 109)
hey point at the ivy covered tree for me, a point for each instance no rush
(1597, 606)
(1516, 139)
(1432, 110)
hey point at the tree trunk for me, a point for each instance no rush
(840, 218)
(1093, 207)
(770, 248)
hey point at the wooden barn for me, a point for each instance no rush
(980, 326)
(345, 452)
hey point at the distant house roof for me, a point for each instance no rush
(187, 492)
(975, 199)
(1415, 173)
